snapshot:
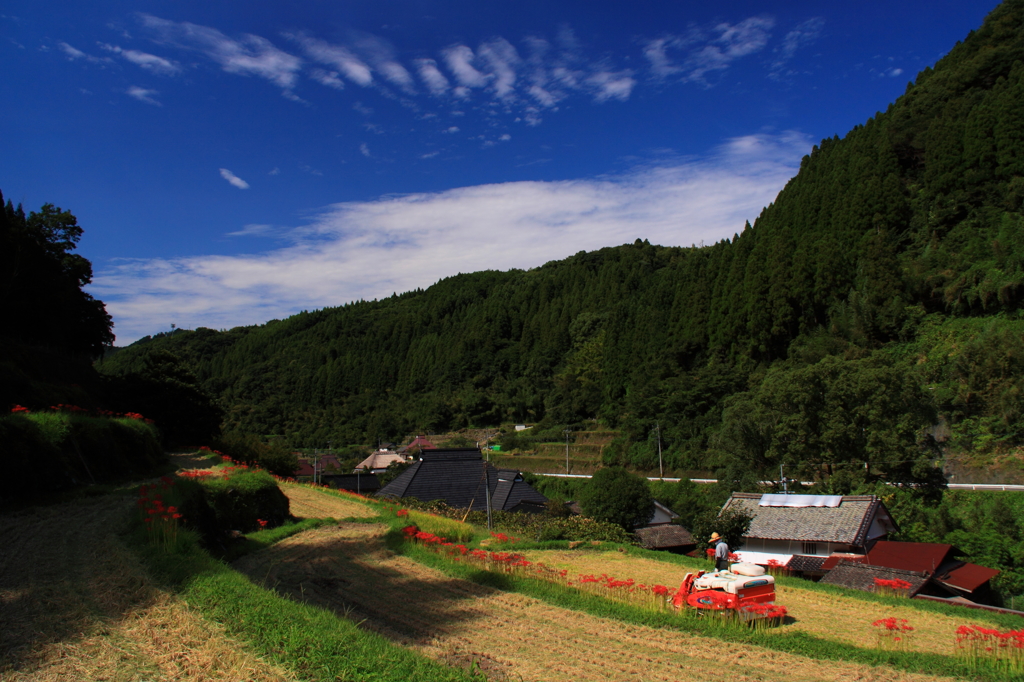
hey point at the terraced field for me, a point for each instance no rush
(76, 604)
(811, 611)
(348, 570)
(309, 503)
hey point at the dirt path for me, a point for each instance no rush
(76, 604)
(814, 612)
(347, 569)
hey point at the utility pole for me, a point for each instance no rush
(661, 467)
(567, 432)
(782, 477)
(316, 458)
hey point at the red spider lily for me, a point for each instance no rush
(19, 409)
(710, 551)
(893, 632)
(262, 522)
(402, 512)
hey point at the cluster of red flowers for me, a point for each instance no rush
(161, 520)
(75, 409)
(501, 537)
(893, 632)
(892, 588)
(766, 611)
(658, 597)
(976, 643)
(402, 512)
(732, 556)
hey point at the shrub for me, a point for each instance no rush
(275, 456)
(53, 451)
(244, 498)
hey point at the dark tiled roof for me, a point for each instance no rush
(911, 556)
(802, 562)
(965, 576)
(363, 483)
(457, 476)
(665, 535)
(862, 576)
(848, 523)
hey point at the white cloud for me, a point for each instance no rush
(432, 76)
(144, 95)
(459, 59)
(253, 230)
(150, 62)
(250, 56)
(72, 52)
(328, 78)
(709, 50)
(342, 59)
(803, 34)
(364, 150)
(233, 179)
(609, 85)
(381, 55)
(502, 59)
(452, 129)
(369, 249)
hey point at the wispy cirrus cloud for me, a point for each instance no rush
(804, 33)
(526, 79)
(144, 95)
(709, 50)
(149, 62)
(73, 54)
(233, 179)
(251, 55)
(424, 237)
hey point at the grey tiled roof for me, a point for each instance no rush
(457, 476)
(803, 562)
(665, 535)
(848, 523)
(862, 576)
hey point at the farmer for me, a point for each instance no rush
(721, 552)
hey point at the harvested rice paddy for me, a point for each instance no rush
(348, 570)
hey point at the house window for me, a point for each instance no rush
(808, 547)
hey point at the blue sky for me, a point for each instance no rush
(234, 162)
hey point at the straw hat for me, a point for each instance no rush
(715, 537)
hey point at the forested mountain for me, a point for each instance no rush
(878, 296)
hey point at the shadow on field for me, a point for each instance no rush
(348, 570)
(63, 572)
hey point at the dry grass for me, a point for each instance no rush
(75, 604)
(347, 569)
(309, 503)
(828, 616)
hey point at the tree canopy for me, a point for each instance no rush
(617, 496)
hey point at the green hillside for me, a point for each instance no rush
(875, 304)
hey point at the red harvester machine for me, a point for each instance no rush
(745, 589)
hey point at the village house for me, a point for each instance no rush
(801, 532)
(461, 478)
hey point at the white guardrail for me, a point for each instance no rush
(952, 486)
